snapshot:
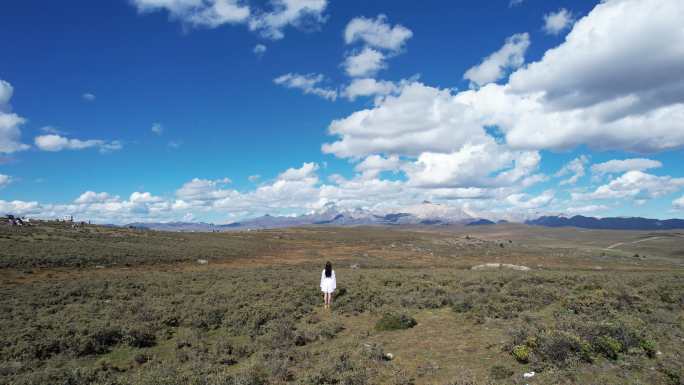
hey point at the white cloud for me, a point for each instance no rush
(366, 62)
(368, 87)
(298, 13)
(93, 197)
(5, 180)
(635, 185)
(574, 168)
(678, 203)
(259, 50)
(555, 22)
(308, 83)
(494, 67)
(307, 172)
(590, 80)
(373, 165)
(588, 209)
(294, 191)
(198, 13)
(203, 190)
(526, 201)
(617, 166)
(419, 119)
(377, 33)
(6, 92)
(17, 207)
(55, 143)
(485, 164)
(143, 197)
(52, 130)
(157, 128)
(254, 178)
(88, 97)
(10, 123)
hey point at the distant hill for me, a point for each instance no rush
(634, 223)
(175, 226)
(481, 222)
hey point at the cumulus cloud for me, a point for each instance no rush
(296, 190)
(18, 207)
(419, 119)
(308, 83)
(366, 62)
(203, 190)
(485, 164)
(303, 14)
(306, 14)
(94, 197)
(198, 13)
(373, 165)
(589, 80)
(636, 185)
(527, 201)
(54, 143)
(495, 66)
(555, 22)
(259, 50)
(380, 40)
(368, 87)
(377, 33)
(157, 128)
(617, 166)
(588, 209)
(10, 123)
(4, 180)
(307, 172)
(6, 91)
(144, 197)
(88, 97)
(575, 169)
(678, 203)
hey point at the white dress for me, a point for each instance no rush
(328, 284)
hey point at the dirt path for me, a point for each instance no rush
(633, 242)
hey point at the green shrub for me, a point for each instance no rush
(561, 349)
(391, 321)
(521, 353)
(649, 347)
(608, 346)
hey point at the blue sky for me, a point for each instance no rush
(165, 109)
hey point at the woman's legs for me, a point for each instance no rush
(328, 299)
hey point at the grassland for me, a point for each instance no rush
(97, 305)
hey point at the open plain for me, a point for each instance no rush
(102, 305)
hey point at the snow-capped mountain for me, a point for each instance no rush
(425, 213)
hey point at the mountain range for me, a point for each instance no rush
(424, 214)
(615, 223)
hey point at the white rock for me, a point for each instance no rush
(500, 265)
(202, 261)
(529, 374)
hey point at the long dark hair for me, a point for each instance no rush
(328, 269)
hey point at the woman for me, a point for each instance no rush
(328, 284)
